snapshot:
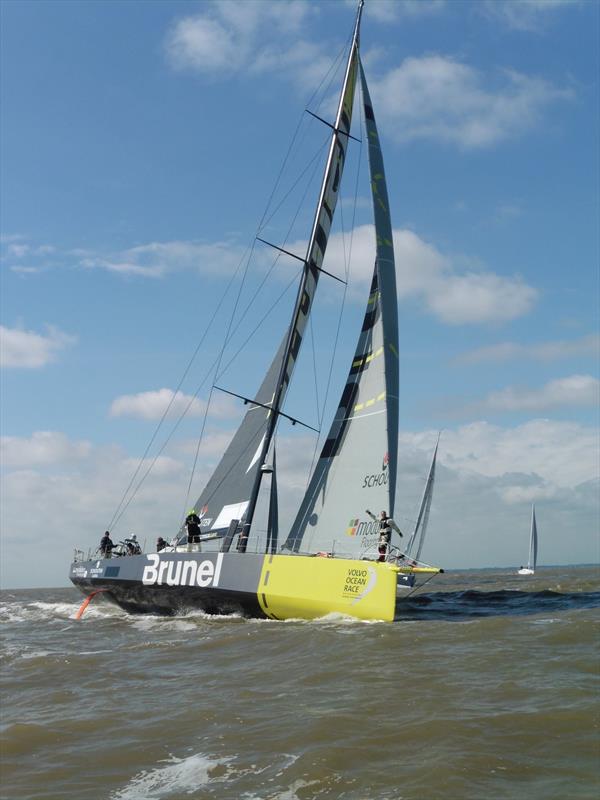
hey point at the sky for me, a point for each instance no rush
(139, 146)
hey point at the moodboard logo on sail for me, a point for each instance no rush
(331, 558)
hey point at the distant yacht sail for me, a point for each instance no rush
(533, 546)
(417, 538)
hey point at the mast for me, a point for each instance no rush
(314, 257)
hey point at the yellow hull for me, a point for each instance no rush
(307, 587)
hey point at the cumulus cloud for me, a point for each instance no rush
(433, 97)
(20, 249)
(544, 351)
(30, 350)
(525, 15)
(231, 36)
(157, 259)
(41, 448)
(575, 390)
(454, 297)
(452, 294)
(439, 98)
(152, 405)
(392, 10)
(487, 475)
(560, 454)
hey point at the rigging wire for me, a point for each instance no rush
(263, 222)
(123, 503)
(245, 258)
(118, 512)
(263, 282)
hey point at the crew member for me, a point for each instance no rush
(192, 523)
(385, 532)
(106, 545)
(160, 544)
(133, 548)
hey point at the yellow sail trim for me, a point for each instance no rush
(358, 362)
(369, 403)
(307, 587)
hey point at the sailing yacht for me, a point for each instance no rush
(533, 546)
(329, 560)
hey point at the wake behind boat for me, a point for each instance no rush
(337, 556)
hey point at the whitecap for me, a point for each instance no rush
(36, 654)
(180, 775)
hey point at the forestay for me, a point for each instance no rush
(357, 466)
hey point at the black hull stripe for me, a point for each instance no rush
(137, 598)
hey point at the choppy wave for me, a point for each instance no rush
(178, 775)
(125, 707)
(472, 603)
(204, 775)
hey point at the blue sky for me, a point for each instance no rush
(139, 144)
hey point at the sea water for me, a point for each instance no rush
(486, 686)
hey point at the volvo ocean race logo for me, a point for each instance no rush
(182, 572)
(378, 478)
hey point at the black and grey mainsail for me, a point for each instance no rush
(417, 538)
(357, 466)
(232, 491)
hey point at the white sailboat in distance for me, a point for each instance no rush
(533, 547)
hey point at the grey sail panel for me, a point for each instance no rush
(227, 493)
(356, 469)
(417, 539)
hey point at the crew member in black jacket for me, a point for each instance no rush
(192, 523)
